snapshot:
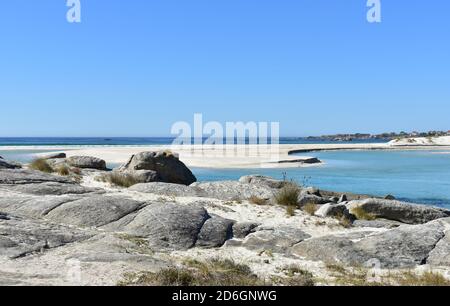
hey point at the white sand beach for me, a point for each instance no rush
(234, 156)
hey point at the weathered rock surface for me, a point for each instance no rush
(87, 162)
(399, 211)
(278, 240)
(311, 199)
(22, 176)
(21, 237)
(51, 188)
(8, 165)
(169, 225)
(243, 229)
(93, 211)
(167, 165)
(215, 232)
(404, 247)
(55, 156)
(232, 190)
(261, 180)
(167, 189)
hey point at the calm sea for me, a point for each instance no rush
(415, 176)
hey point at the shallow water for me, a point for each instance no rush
(415, 176)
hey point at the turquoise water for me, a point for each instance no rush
(415, 176)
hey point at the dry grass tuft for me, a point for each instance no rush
(288, 195)
(361, 214)
(42, 165)
(119, 179)
(310, 208)
(257, 201)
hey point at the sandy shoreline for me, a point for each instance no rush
(210, 156)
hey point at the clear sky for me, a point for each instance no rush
(133, 68)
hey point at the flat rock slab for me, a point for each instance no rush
(93, 211)
(23, 176)
(169, 225)
(278, 240)
(231, 190)
(20, 237)
(166, 189)
(51, 188)
(32, 207)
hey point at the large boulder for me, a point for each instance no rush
(399, 211)
(8, 165)
(168, 167)
(86, 162)
(168, 225)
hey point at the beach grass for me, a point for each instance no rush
(42, 165)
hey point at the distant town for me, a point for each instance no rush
(384, 136)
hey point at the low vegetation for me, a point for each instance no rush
(290, 210)
(215, 272)
(257, 201)
(42, 165)
(295, 276)
(361, 214)
(310, 208)
(119, 179)
(364, 277)
(63, 170)
(288, 195)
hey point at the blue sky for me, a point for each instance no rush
(133, 68)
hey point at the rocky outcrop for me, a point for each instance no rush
(168, 167)
(86, 162)
(404, 247)
(8, 165)
(399, 211)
